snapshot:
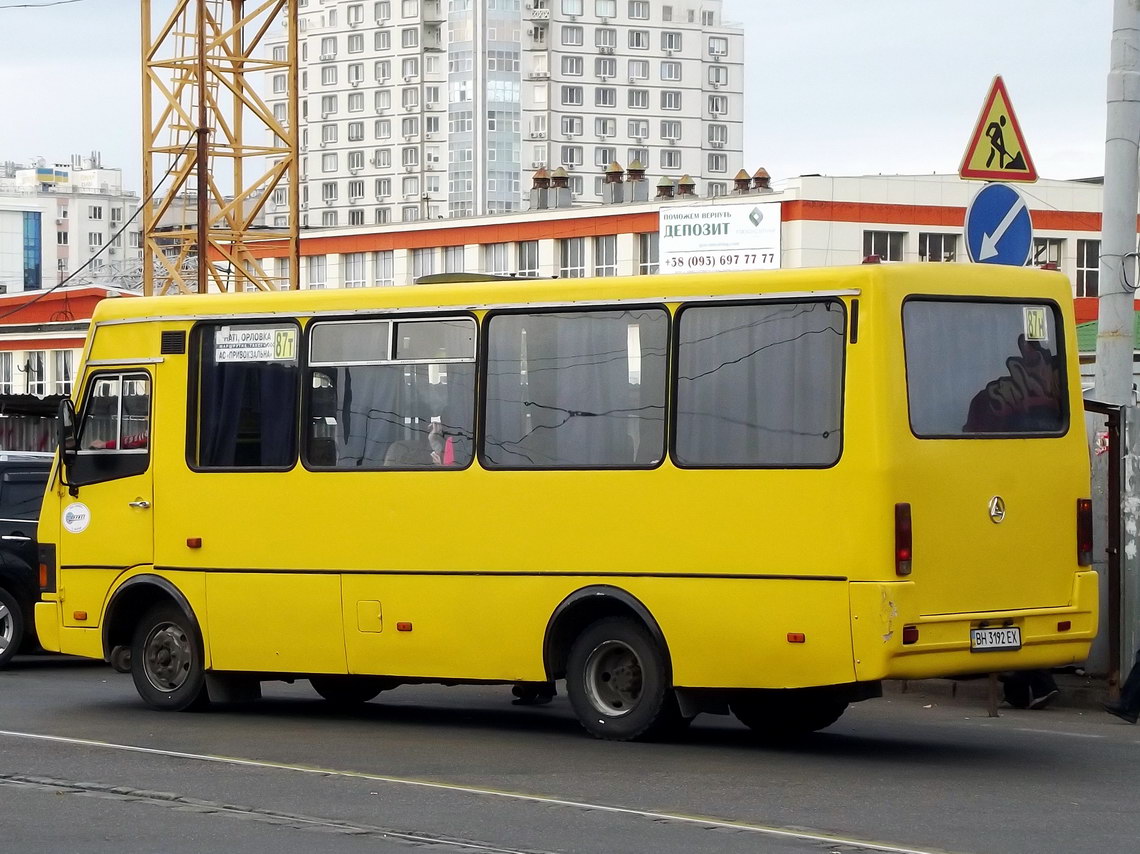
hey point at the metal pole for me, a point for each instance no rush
(1114, 342)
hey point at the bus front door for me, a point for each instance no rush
(105, 513)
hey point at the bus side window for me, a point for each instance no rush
(114, 431)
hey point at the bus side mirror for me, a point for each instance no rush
(66, 426)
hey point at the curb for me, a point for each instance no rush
(1077, 692)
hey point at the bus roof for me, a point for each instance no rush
(955, 279)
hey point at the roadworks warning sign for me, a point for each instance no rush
(997, 150)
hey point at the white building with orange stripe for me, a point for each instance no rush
(824, 221)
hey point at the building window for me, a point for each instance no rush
(94, 238)
(671, 130)
(605, 37)
(639, 99)
(718, 46)
(353, 269)
(639, 39)
(605, 127)
(572, 36)
(671, 158)
(887, 245)
(648, 253)
(383, 264)
(572, 96)
(605, 67)
(639, 69)
(454, 259)
(328, 75)
(670, 99)
(605, 96)
(605, 8)
(571, 125)
(605, 255)
(718, 163)
(318, 270)
(716, 188)
(328, 47)
(670, 70)
(718, 105)
(356, 217)
(718, 134)
(410, 37)
(670, 41)
(328, 106)
(638, 128)
(6, 372)
(639, 10)
(495, 257)
(329, 192)
(937, 247)
(571, 7)
(64, 371)
(94, 211)
(571, 155)
(603, 157)
(37, 372)
(1088, 268)
(423, 262)
(572, 258)
(356, 159)
(572, 66)
(1046, 250)
(528, 258)
(355, 190)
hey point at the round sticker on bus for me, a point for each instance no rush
(76, 517)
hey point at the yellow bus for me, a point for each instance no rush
(761, 493)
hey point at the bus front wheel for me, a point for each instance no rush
(617, 681)
(166, 660)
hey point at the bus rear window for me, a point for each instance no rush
(984, 369)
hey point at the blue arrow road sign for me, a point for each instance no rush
(998, 227)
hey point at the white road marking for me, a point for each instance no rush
(679, 818)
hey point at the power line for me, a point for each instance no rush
(39, 5)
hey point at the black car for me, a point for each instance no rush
(23, 478)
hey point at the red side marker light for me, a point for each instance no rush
(910, 635)
(80, 615)
(43, 576)
(1064, 625)
(403, 627)
(902, 539)
(193, 542)
(1084, 532)
(797, 637)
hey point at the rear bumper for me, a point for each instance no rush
(879, 612)
(55, 637)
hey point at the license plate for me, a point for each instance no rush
(989, 640)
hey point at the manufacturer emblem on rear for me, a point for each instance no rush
(997, 509)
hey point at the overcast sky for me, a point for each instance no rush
(839, 87)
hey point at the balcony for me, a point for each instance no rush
(433, 12)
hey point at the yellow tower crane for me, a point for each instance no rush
(217, 149)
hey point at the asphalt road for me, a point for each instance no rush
(84, 766)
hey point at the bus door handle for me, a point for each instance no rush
(18, 538)
(140, 503)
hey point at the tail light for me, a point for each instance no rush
(902, 539)
(1084, 532)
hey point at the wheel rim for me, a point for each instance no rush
(7, 627)
(167, 656)
(614, 679)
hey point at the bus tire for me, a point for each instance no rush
(775, 717)
(11, 627)
(348, 690)
(618, 683)
(167, 660)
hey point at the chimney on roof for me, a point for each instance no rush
(636, 187)
(541, 179)
(686, 186)
(560, 196)
(636, 171)
(741, 183)
(613, 190)
(761, 180)
(540, 195)
(665, 188)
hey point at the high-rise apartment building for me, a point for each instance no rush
(420, 109)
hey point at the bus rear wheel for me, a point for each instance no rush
(348, 690)
(618, 683)
(775, 716)
(167, 660)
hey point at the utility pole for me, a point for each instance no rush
(1114, 340)
(1115, 337)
